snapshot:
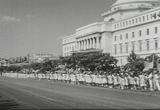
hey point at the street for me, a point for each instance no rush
(44, 94)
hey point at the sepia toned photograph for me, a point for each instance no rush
(80, 54)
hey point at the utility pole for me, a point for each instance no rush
(153, 60)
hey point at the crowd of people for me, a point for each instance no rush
(122, 80)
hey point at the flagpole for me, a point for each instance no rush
(153, 60)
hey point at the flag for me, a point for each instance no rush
(148, 66)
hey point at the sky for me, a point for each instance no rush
(35, 26)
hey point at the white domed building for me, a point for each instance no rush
(127, 8)
(129, 25)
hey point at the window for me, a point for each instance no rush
(156, 43)
(139, 19)
(143, 18)
(140, 33)
(133, 35)
(123, 24)
(126, 35)
(147, 44)
(120, 48)
(121, 37)
(159, 14)
(115, 49)
(154, 15)
(151, 16)
(132, 21)
(127, 23)
(64, 48)
(147, 17)
(140, 45)
(156, 30)
(147, 31)
(115, 38)
(133, 46)
(126, 47)
(120, 24)
(136, 20)
(117, 25)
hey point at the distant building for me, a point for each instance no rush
(21, 59)
(38, 58)
(3, 62)
(129, 25)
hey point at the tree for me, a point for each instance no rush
(152, 58)
(14, 68)
(90, 61)
(107, 62)
(135, 64)
(36, 66)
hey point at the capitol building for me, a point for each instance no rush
(128, 25)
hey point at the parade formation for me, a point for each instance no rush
(119, 55)
(124, 81)
(94, 69)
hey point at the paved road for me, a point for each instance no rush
(35, 94)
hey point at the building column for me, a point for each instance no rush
(77, 45)
(90, 46)
(91, 42)
(80, 45)
(85, 44)
(97, 44)
(88, 43)
(99, 41)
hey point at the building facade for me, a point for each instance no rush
(132, 25)
(69, 45)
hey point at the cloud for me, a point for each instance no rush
(9, 19)
(30, 16)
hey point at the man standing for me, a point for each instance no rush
(150, 79)
(156, 80)
(142, 81)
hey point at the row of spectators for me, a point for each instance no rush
(122, 80)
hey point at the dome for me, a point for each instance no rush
(118, 2)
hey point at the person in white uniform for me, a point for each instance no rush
(115, 80)
(110, 81)
(156, 80)
(137, 82)
(142, 81)
(150, 80)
